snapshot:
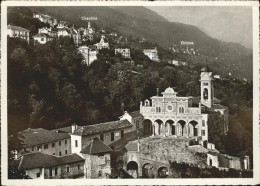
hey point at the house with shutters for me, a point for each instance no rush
(18, 32)
(53, 142)
(42, 38)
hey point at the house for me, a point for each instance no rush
(109, 132)
(44, 30)
(42, 38)
(71, 32)
(49, 31)
(16, 31)
(38, 165)
(62, 24)
(136, 118)
(102, 44)
(63, 32)
(42, 17)
(97, 159)
(125, 52)
(89, 53)
(52, 142)
(152, 54)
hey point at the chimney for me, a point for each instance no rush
(123, 107)
(157, 89)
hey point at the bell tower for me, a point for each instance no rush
(206, 88)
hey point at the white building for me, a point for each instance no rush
(42, 38)
(172, 115)
(152, 54)
(182, 116)
(102, 44)
(89, 53)
(125, 52)
(16, 31)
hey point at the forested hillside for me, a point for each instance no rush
(143, 23)
(49, 86)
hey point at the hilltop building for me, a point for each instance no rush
(42, 38)
(125, 52)
(152, 54)
(90, 30)
(102, 44)
(89, 53)
(45, 18)
(17, 31)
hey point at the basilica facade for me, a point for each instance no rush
(171, 115)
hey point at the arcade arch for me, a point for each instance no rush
(162, 172)
(159, 127)
(132, 168)
(147, 127)
(170, 127)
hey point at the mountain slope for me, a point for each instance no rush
(138, 12)
(225, 23)
(164, 33)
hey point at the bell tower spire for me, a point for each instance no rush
(206, 87)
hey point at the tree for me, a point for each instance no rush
(15, 145)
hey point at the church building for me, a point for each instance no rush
(171, 115)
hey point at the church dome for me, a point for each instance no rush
(169, 90)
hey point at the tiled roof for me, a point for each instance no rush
(17, 28)
(95, 146)
(39, 160)
(196, 100)
(42, 35)
(41, 136)
(135, 114)
(103, 127)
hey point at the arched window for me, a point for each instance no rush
(181, 110)
(205, 93)
(146, 103)
(158, 109)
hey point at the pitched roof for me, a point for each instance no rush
(135, 114)
(40, 136)
(42, 35)
(102, 127)
(95, 146)
(17, 28)
(39, 160)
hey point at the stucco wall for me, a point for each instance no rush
(54, 150)
(97, 166)
(76, 170)
(107, 136)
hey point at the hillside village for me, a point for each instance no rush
(142, 141)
